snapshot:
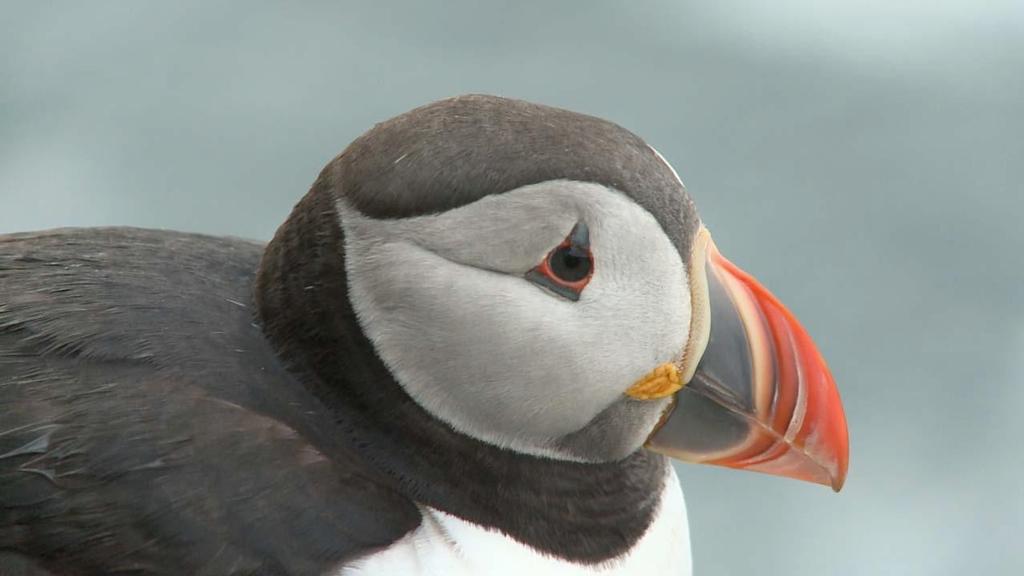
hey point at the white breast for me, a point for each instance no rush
(444, 545)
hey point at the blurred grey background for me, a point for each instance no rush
(864, 159)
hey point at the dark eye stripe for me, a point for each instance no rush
(567, 269)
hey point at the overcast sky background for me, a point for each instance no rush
(864, 159)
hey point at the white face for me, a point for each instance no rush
(446, 302)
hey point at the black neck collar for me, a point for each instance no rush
(582, 512)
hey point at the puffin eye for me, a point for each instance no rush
(567, 269)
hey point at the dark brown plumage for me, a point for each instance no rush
(147, 427)
(171, 405)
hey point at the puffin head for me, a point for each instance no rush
(539, 280)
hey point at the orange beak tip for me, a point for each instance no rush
(762, 397)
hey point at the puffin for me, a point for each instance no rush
(473, 347)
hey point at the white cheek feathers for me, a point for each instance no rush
(444, 300)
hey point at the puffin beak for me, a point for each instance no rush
(753, 391)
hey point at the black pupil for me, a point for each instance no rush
(568, 266)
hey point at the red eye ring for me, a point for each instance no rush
(568, 268)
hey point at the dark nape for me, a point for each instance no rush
(583, 512)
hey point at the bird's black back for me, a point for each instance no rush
(146, 426)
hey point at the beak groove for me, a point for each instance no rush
(761, 397)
